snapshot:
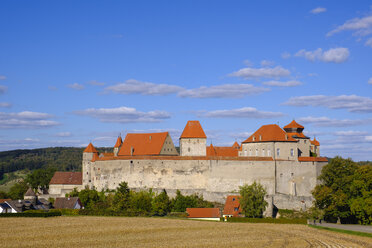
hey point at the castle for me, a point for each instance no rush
(285, 161)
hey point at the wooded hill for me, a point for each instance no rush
(60, 158)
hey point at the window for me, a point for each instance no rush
(278, 151)
(189, 149)
(263, 152)
(256, 152)
(233, 199)
(245, 152)
(250, 152)
(305, 141)
(236, 209)
(292, 152)
(268, 153)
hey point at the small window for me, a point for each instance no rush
(292, 152)
(268, 153)
(305, 141)
(236, 209)
(233, 199)
(292, 174)
(189, 149)
(256, 152)
(250, 152)
(90, 180)
(281, 174)
(278, 151)
(263, 152)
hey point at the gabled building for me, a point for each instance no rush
(223, 151)
(68, 203)
(148, 144)
(64, 182)
(232, 206)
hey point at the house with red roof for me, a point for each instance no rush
(203, 213)
(64, 182)
(232, 206)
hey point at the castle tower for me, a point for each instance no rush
(315, 147)
(88, 155)
(294, 130)
(193, 140)
(117, 146)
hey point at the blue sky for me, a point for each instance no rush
(72, 72)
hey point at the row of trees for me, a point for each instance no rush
(124, 201)
(345, 192)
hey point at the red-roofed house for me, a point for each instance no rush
(232, 206)
(64, 182)
(193, 140)
(152, 144)
(203, 213)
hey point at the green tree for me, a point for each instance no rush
(161, 204)
(141, 202)
(18, 190)
(252, 200)
(3, 195)
(181, 202)
(40, 178)
(89, 197)
(121, 197)
(333, 194)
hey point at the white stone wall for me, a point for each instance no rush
(304, 147)
(193, 147)
(269, 149)
(60, 190)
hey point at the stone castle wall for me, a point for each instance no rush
(214, 179)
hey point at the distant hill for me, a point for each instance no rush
(61, 158)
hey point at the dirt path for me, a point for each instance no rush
(162, 232)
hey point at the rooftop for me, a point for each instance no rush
(138, 144)
(268, 133)
(91, 148)
(203, 212)
(67, 178)
(193, 129)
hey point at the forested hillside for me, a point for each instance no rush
(60, 158)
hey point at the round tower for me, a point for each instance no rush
(88, 154)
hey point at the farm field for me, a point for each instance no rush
(89, 231)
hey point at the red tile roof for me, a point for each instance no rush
(30, 192)
(4, 200)
(232, 203)
(163, 157)
(222, 151)
(315, 142)
(270, 132)
(67, 178)
(203, 212)
(312, 159)
(300, 135)
(90, 148)
(66, 202)
(294, 124)
(118, 142)
(193, 129)
(143, 144)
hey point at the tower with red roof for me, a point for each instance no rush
(193, 140)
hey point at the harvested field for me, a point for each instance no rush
(89, 231)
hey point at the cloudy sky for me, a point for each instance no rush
(72, 72)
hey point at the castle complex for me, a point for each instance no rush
(285, 161)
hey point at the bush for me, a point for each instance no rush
(252, 200)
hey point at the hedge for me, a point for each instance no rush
(268, 220)
(31, 214)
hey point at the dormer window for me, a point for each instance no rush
(254, 138)
(260, 137)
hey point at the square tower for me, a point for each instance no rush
(193, 141)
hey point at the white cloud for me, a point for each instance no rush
(246, 112)
(328, 122)
(5, 105)
(318, 10)
(223, 91)
(368, 138)
(369, 42)
(96, 83)
(247, 62)
(124, 115)
(26, 119)
(2, 77)
(76, 86)
(286, 55)
(133, 86)
(267, 63)
(63, 134)
(335, 55)
(3, 89)
(291, 83)
(352, 103)
(360, 26)
(249, 72)
(370, 80)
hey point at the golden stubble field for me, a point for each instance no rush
(87, 231)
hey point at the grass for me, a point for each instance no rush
(12, 178)
(268, 220)
(91, 231)
(363, 234)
